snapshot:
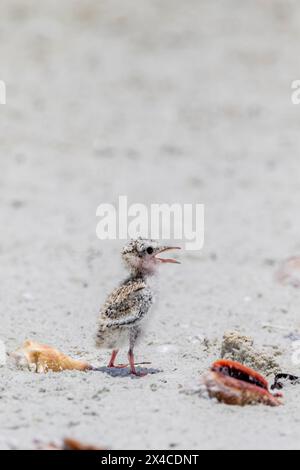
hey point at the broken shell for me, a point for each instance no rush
(234, 384)
(68, 444)
(41, 358)
(72, 444)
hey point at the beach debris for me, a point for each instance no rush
(73, 444)
(41, 358)
(233, 383)
(281, 380)
(68, 444)
(240, 348)
(288, 273)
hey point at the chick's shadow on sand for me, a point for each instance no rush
(125, 372)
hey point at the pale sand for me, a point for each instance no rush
(166, 102)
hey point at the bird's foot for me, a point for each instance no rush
(133, 370)
(117, 366)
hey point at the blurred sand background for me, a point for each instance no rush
(164, 101)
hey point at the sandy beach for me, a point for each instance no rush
(162, 101)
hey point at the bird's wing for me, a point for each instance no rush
(123, 294)
(125, 305)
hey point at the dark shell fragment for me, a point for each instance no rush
(281, 379)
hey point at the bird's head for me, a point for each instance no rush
(142, 256)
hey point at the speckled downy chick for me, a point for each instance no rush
(123, 314)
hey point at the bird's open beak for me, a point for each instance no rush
(163, 250)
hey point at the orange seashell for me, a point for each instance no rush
(41, 358)
(72, 444)
(233, 383)
(68, 444)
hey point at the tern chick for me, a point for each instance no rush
(123, 314)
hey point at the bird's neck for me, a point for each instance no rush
(148, 278)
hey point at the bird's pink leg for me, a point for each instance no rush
(111, 363)
(132, 365)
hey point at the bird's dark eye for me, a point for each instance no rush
(150, 250)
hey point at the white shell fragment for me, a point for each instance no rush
(289, 272)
